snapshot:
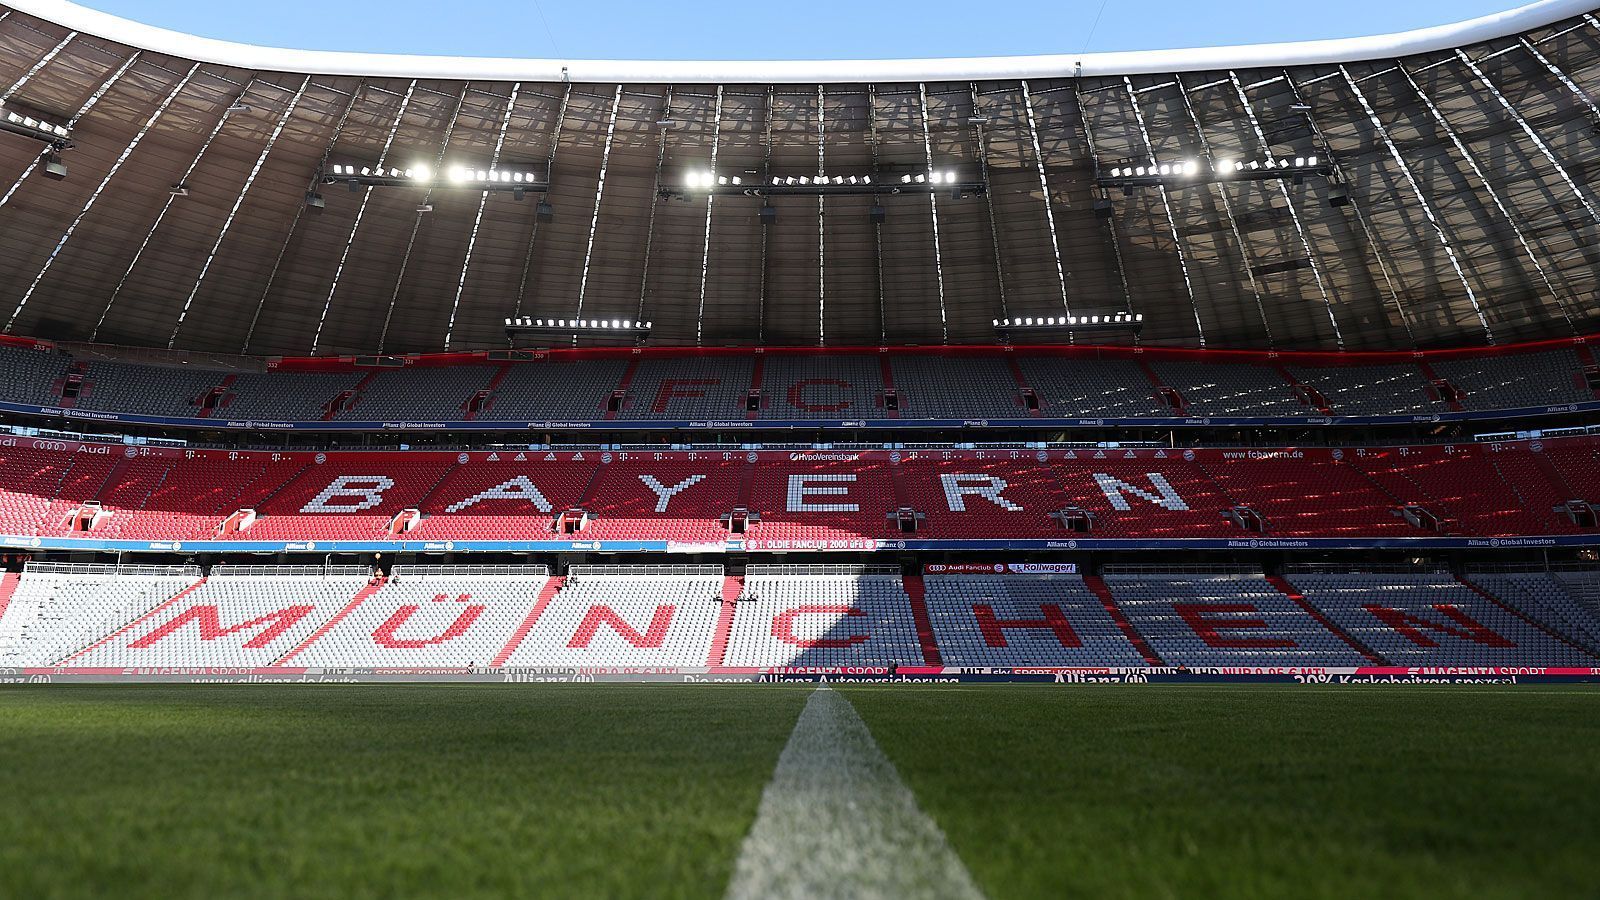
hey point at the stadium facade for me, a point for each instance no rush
(751, 368)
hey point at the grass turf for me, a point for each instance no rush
(381, 791)
(1238, 791)
(617, 791)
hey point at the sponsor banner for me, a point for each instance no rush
(88, 415)
(1000, 569)
(902, 675)
(857, 545)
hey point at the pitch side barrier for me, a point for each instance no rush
(490, 426)
(1368, 675)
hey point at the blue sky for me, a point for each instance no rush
(818, 29)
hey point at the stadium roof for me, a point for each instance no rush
(1437, 191)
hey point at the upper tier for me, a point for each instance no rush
(622, 388)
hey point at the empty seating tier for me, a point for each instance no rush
(807, 617)
(678, 384)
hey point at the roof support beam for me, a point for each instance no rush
(477, 220)
(705, 248)
(422, 210)
(1374, 246)
(1227, 212)
(238, 201)
(549, 169)
(766, 172)
(361, 211)
(877, 227)
(167, 207)
(988, 199)
(1489, 189)
(1544, 149)
(299, 213)
(1044, 198)
(94, 197)
(933, 210)
(1294, 215)
(1422, 201)
(1166, 205)
(43, 61)
(822, 229)
(655, 195)
(599, 194)
(1110, 221)
(1580, 93)
(72, 122)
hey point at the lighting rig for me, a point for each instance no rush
(56, 137)
(1025, 326)
(703, 182)
(604, 330)
(1130, 174)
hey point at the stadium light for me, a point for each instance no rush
(1126, 322)
(1129, 174)
(700, 182)
(635, 330)
(494, 178)
(28, 125)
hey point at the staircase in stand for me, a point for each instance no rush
(1489, 596)
(918, 592)
(732, 588)
(372, 587)
(546, 594)
(1100, 589)
(8, 587)
(1299, 599)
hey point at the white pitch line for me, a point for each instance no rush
(837, 821)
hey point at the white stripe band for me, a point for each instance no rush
(837, 821)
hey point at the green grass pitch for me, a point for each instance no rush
(647, 790)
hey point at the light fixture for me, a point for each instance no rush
(54, 169)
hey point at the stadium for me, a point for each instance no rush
(1166, 472)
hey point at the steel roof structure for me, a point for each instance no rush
(1455, 203)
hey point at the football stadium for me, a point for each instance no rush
(1128, 474)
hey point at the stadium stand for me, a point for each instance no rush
(1213, 389)
(825, 617)
(1024, 620)
(660, 386)
(461, 616)
(1095, 388)
(822, 386)
(620, 616)
(1367, 390)
(1222, 620)
(238, 616)
(555, 389)
(1516, 380)
(287, 396)
(939, 387)
(1428, 620)
(60, 608)
(404, 393)
(31, 376)
(821, 499)
(689, 388)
